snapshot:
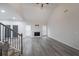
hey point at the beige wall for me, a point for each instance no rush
(64, 24)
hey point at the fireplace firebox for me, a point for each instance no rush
(36, 33)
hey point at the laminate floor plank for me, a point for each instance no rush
(44, 46)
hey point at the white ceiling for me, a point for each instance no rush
(32, 13)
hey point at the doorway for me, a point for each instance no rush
(28, 30)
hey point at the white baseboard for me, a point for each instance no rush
(62, 42)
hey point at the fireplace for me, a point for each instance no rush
(36, 33)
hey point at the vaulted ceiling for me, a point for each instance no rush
(29, 12)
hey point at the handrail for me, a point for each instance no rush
(10, 28)
(16, 42)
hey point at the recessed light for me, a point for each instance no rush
(3, 11)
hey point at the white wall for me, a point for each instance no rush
(21, 26)
(41, 29)
(25, 28)
(64, 24)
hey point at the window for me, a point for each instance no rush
(15, 28)
(7, 31)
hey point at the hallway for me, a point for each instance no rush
(47, 47)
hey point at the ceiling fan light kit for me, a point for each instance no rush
(42, 4)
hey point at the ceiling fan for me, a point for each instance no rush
(42, 4)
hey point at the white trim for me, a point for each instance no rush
(62, 42)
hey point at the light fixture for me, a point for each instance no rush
(42, 4)
(37, 25)
(3, 11)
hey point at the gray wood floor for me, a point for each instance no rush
(46, 47)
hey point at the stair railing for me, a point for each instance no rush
(6, 34)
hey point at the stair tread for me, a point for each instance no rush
(13, 51)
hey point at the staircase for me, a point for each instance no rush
(9, 45)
